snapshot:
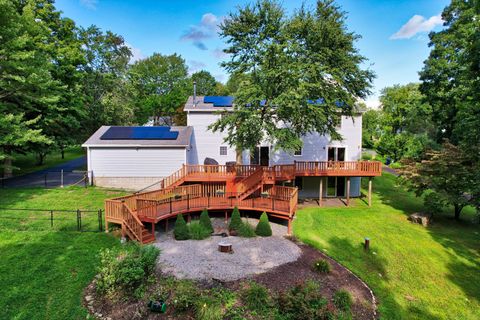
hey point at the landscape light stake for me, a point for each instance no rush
(61, 178)
(366, 245)
(100, 227)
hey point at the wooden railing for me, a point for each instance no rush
(281, 200)
(338, 168)
(131, 224)
(250, 181)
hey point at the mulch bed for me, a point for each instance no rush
(277, 279)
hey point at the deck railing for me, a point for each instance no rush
(338, 168)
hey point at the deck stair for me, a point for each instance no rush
(251, 183)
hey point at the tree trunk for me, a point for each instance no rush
(7, 165)
(41, 158)
(239, 156)
(63, 152)
(458, 209)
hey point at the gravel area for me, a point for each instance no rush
(201, 260)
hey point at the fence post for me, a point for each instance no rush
(61, 178)
(100, 226)
(79, 220)
(85, 177)
(51, 218)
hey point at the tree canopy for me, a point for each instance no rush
(296, 72)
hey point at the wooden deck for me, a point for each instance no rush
(221, 187)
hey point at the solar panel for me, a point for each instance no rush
(139, 133)
(219, 101)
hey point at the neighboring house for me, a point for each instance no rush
(137, 163)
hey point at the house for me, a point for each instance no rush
(175, 163)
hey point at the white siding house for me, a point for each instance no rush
(135, 164)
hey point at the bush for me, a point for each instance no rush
(367, 156)
(256, 297)
(235, 221)
(263, 227)
(181, 230)
(303, 302)
(127, 270)
(185, 295)
(322, 266)
(198, 231)
(246, 230)
(433, 203)
(342, 300)
(205, 220)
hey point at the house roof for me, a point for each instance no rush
(182, 140)
(209, 103)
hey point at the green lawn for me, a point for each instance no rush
(43, 273)
(27, 163)
(415, 272)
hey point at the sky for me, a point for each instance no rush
(394, 32)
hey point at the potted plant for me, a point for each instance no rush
(177, 196)
(264, 194)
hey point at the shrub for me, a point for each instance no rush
(303, 302)
(198, 231)
(185, 295)
(433, 202)
(246, 230)
(127, 270)
(235, 221)
(263, 227)
(322, 266)
(367, 156)
(255, 297)
(181, 230)
(205, 220)
(342, 300)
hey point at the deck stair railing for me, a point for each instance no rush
(251, 183)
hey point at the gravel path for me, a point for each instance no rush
(194, 259)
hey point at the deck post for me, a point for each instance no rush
(153, 228)
(289, 229)
(189, 218)
(226, 216)
(370, 191)
(320, 194)
(348, 191)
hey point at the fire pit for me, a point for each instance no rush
(225, 247)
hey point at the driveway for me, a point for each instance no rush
(50, 177)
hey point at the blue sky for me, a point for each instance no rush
(394, 32)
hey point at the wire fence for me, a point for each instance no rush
(55, 220)
(47, 179)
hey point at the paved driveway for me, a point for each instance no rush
(50, 177)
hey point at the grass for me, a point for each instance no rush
(43, 273)
(415, 272)
(27, 163)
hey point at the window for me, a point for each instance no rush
(298, 152)
(223, 151)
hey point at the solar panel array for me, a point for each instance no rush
(219, 101)
(139, 133)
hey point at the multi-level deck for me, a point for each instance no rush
(223, 187)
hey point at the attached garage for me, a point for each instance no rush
(123, 157)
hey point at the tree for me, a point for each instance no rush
(447, 173)
(235, 221)
(263, 228)
(405, 123)
(206, 83)
(370, 128)
(161, 86)
(205, 220)
(181, 229)
(301, 71)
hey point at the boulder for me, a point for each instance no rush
(422, 218)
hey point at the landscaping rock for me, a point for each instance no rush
(425, 219)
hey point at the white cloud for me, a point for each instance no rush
(415, 25)
(194, 66)
(219, 54)
(136, 53)
(206, 29)
(90, 4)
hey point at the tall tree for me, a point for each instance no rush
(405, 122)
(371, 128)
(206, 83)
(161, 85)
(300, 69)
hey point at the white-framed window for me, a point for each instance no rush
(298, 152)
(223, 150)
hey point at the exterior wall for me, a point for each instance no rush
(133, 168)
(315, 146)
(311, 187)
(205, 143)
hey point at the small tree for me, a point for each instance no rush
(236, 221)
(205, 220)
(263, 227)
(181, 230)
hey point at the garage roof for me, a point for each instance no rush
(181, 140)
